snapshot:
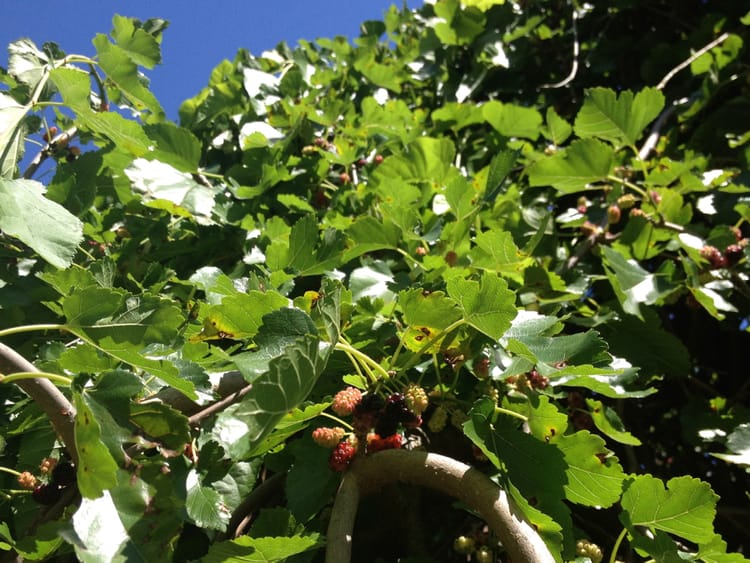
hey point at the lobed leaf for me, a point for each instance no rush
(45, 226)
(685, 508)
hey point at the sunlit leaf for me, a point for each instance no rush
(96, 469)
(618, 119)
(159, 181)
(11, 134)
(685, 507)
(487, 305)
(512, 120)
(47, 227)
(261, 550)
(141, 47)
(204, 505)
(584, 162)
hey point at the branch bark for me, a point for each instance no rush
(367, 475)
(56, 406)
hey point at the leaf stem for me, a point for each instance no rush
(366, 361)
(636, 188)
(501, 410)
(53, 377)
(30, 328)
(10, 471)
(338, 420)
(616, 546)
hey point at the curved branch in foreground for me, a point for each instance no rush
(445, 474)
(55, 405)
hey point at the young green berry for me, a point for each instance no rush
(484, 555)
(586, 548)
(328, 437)
(346, 400)
(416, 399)
(438, 420)
(464, 545)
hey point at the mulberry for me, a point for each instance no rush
(328, 437)
(416, 399)
(376, 444)
(341, 456)
(346, 401)
(27, 481)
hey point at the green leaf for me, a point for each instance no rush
(123, 72)
(633, 285)
(310, 483)
(647, 344)
(26, 63)
(535, 468)
(570, 349)
(159, 182)
(261, 550)
(609, 423)
(162, 423)
(496, 251)
(685, 508)
(204, 505)
(738, 443)
(240, 315)
(594, 476)
(47, 227)
(432, 310)
(282, 386)
(96, 469)
(126, 134)
(11, 134)
(487, 305)
(367, 234)
(100, 531)
(618, 119)
(175, 146)
(140, 46)
(513, 121)
(584, 162)
(557, 130)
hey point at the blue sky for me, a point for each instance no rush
(199, 35)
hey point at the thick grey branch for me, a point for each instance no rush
(51, 400)
(367, 475)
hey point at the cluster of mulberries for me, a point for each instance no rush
(61, 475)
(375, 421)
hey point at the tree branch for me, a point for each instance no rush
(219, 405)
(56, 406)
(368, 474)
(667, 77)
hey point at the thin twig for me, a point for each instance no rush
(218, 405)
(260, 495)
(576, 52)
(48, 150)
(667, 77)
